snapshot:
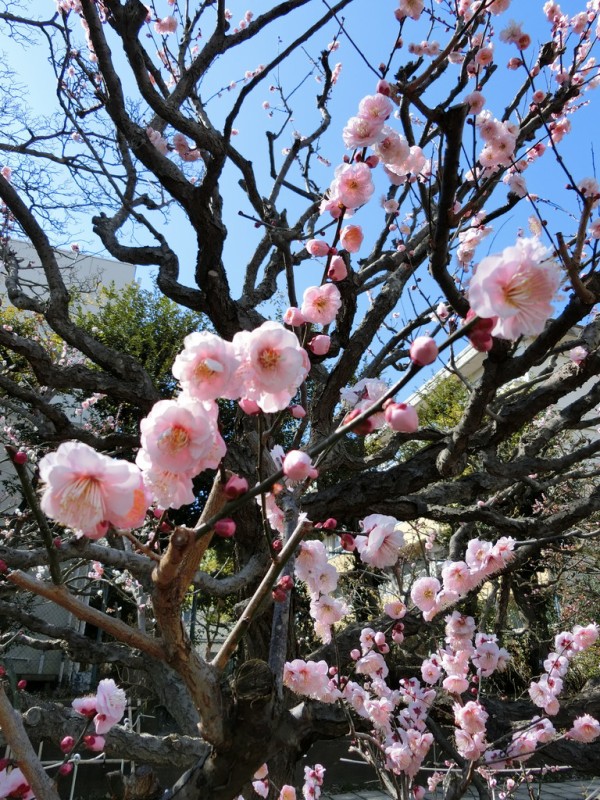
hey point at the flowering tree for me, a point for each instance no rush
(447, 522)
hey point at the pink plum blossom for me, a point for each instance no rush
(85, 489)
(166, 25)
(181, 436)
(274, 365)
(424, 591)
(14, 784)
(352, 185)
(293, 317)
(351, 238)
(206, 367)
(320, 304)
(362, 132)
(169, 489)
(110, 705)
(578, 355)
(409, 8)
(585, 729)
(380, 547)
(516, 286)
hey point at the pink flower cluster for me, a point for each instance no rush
(320, 576)
(106, 707)
(88, 491)
(517, 287)
(311, 679)
(366, 128)
(544, 693)
(482, 559)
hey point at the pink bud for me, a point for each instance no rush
(278, 595)
(383, 87)
(277, 544)
(22, 685)
(94, 743)
(248, 406)
(225, 528)
(293, 316)
(402, 417)
(372, 161)
(57, 542)
(3, 565)
(384, 648)
(317, 247)
(66, 744)
(235, 487)
(286, 583)
(337, 269)
(364, 427)
(355, 654)
(480, 334)
(398, 633)
(330, 524)
(297, 466)
(347, 542)
(423, 351)
(20, 457)
(379, 638)
(65, 769)
(320, 344)
(297, 412)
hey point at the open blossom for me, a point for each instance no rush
(320, 304)
(352, 185)
(516, 286)
(166, 25)
(168, 489)
(274, 365)
(362, 132)
(424, 592)
(206, 367)
(181, 436)
(85, 490)
(110, 705)
(14, 784)
(409, 8)
(585, 729)
(380, 547)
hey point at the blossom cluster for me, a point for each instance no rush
(482, 559)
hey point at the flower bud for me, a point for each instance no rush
(94, 743)
(297, 466)
(278, 594)
(293, 316)
(337, 269)
(317, 247)
(320, 344)
(297, 412)
(20, 457)
(22, 685)
(65, 769)
(225, 528)
(248, 406)
(383, 87)
(66, 744)
(402, 417)
(235, 487)
(423, 351)
(347, 542)
(330, 524)
(364, 427)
